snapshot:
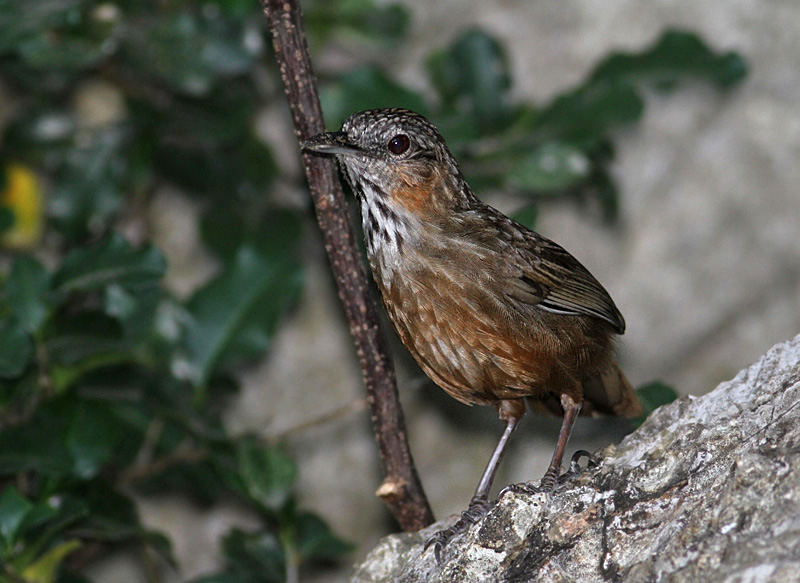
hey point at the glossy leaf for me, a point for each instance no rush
(472, 75)
(23, 449)
(362, 19)
(527, 215)
(267, 473)
(135, 310)
(92, 181)
(75, 338)
(188, 53)
(54, 515)
(14, 507)
(364, 88)
(257, 557)
(45, 568)
(23, 21)
(92, 438)
(16, 348)
(236, 314)
(588, 113)
(675, 56)
(7, 219)
(61, 52)
(25, 289)
(316, 541)
(552, 166)
(219, 169)
(114, 261)
(652, 396)
(112, 515)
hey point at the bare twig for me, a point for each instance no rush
(401, 489)
(342, 412)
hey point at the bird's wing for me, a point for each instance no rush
(545, 275)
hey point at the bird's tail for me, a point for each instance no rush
(610, 393)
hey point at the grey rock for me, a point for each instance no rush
(707, 489)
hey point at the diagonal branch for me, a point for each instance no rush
(401, 489)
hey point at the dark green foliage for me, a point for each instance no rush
(113, 388)
(652, 396)
(561, 148)
(109, 385)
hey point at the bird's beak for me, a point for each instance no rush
(330, 143)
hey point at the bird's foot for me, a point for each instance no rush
(551, 478)
(477, 509)
(575, 468)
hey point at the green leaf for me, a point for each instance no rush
(235, 315)
(43, 131)
(25, 289)
(61, 52)
(363, 19)
(112, 515)
(587, 114)
(83, 343)
(49, 518)
(527, 216)
(14, 507)
(162, 545)
(675, 56)
(21, 21)
(16, 348)
(257, 557)
(605, 189)
(364, 88)
(267, 473)
(189, 53)
(551, 166)
(45, 568)
(472, 75)
(222, 578)
(652, 396)
(22, 447)
(135, 310)
(92, 438)
(315, 541)
(75, 338)
(114, 261)
(7, 218)
(92, 180)
(218, 169)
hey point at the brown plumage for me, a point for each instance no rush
(493, 312)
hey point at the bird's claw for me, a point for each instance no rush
(477, 509)
(575, 465)
(551, 477)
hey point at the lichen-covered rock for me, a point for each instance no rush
(708, 489)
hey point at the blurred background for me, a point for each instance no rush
(180, 399)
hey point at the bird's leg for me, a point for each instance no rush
(571, 410)
(511, 412)
(548, 481)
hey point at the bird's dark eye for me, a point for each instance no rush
(399, 144)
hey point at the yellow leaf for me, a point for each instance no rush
(23, 197)
(44, 570)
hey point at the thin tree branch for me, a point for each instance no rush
(401, 489)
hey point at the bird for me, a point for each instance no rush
(493, 312)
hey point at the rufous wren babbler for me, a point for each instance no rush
(494, 313)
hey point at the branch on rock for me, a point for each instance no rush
(708, 489)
